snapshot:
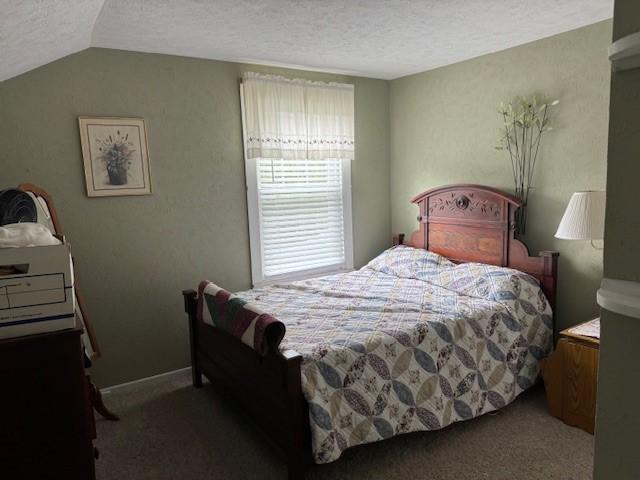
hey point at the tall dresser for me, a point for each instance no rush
(46, 418)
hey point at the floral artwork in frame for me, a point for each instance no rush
(116, 156)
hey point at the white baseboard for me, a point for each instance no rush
(142, 382)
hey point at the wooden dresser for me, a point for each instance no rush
(571, 379)
(47, 423)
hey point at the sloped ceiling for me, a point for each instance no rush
(375, 38)
(33, 33)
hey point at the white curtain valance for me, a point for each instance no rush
(299, 119)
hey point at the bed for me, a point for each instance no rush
(444, 327)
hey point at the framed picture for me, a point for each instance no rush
(116, 156)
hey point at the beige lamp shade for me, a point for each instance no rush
(584, 217)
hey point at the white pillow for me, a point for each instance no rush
(409, 262)
(15, 235)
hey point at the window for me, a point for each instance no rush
(299, 189)
(301, 221)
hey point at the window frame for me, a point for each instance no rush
(253, 212)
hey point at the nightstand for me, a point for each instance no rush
(571, 375)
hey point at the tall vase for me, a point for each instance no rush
(521, 221)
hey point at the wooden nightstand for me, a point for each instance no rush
(571, 376)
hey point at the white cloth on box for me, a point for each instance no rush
(15, 235)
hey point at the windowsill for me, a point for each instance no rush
(297, 276)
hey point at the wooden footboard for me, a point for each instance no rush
(267, 389)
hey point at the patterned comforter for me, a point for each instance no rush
(409, 342)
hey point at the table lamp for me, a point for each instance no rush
(584, 217)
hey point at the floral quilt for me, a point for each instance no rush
(409, 342)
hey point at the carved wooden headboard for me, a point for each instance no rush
(474, 223)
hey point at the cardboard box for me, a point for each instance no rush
(36, 290)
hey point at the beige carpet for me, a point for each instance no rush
(173, 431)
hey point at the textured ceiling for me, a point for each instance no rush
(34, 32)
(374, 38)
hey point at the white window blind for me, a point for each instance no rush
(301, 215)
(299, 145)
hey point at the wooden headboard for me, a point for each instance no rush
(475, 223)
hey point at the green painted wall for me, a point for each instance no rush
(135, 254)
(618, 417)
(444, 126)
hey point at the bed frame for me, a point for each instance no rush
(465, 223)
